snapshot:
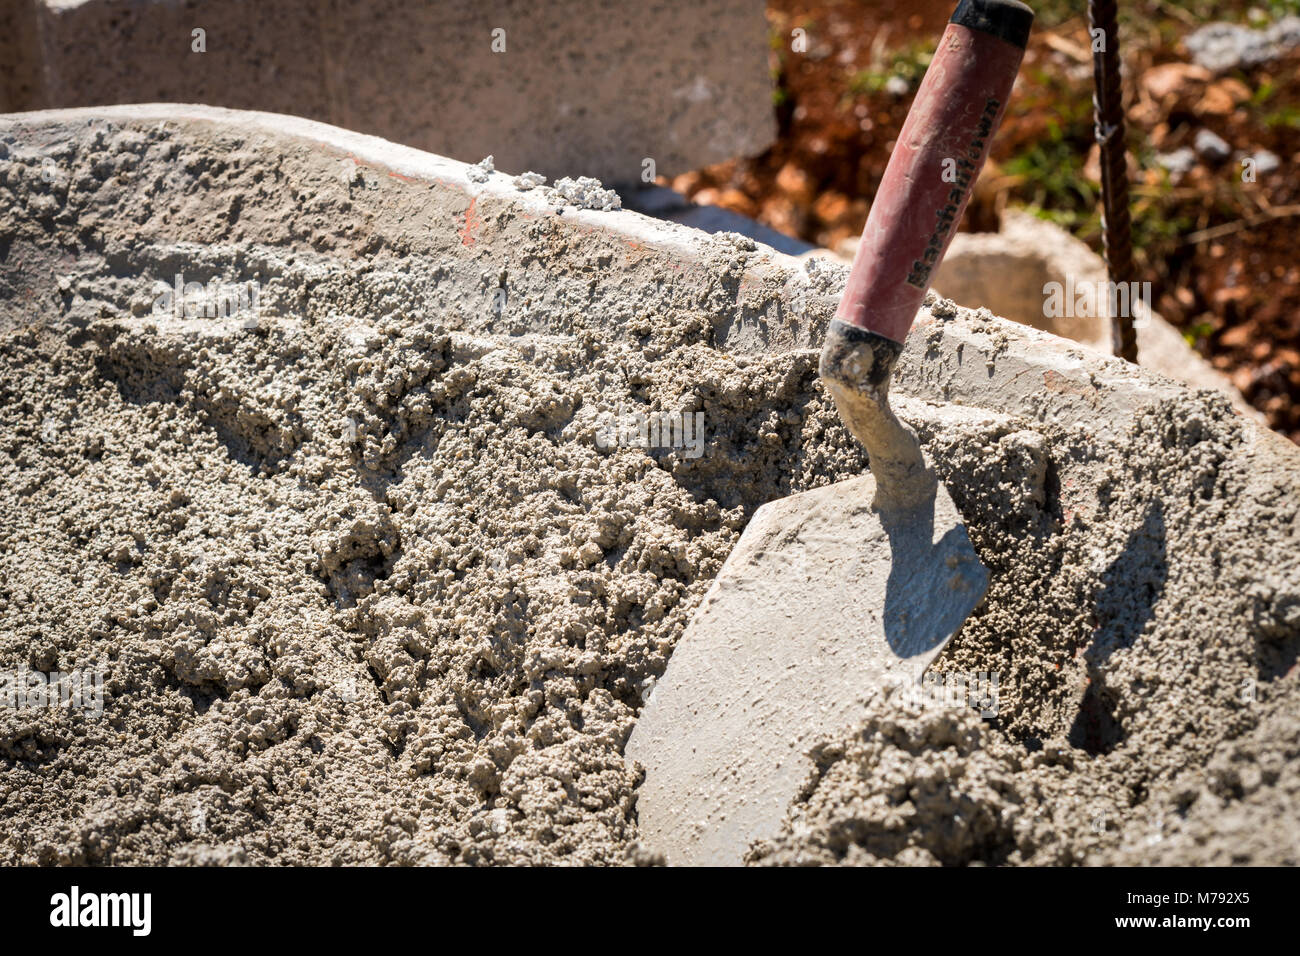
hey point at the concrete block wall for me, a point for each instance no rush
(566, 87)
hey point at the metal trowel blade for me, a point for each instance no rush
(823, 601)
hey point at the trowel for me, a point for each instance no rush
(833, 594)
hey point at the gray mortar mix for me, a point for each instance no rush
(367, 590)
(481, 171)
(529, 180)
(583, 192)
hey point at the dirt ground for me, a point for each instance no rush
(368, 588)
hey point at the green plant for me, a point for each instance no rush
(1197, 333)
(908, 62)
(1288, 116)
(1052, 171)
(1263, 94)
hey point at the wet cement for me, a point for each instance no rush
(367, 587)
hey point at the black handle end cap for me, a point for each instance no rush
(1008, 20)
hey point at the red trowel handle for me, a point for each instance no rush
(940, 151)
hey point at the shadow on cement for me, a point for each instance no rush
(663, 203)
(930, 590)
(1131, 586)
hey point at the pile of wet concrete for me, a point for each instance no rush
(367, 575)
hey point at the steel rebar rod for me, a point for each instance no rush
(1108, 108)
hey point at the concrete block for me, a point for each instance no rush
(572, 87)
(19, 56)
(256, 55)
